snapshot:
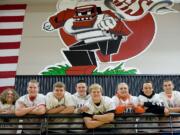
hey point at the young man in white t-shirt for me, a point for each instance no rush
(100, 109)
(59, 102)
(126, 104)
(31, 103)
(171, 100)
(80, 97)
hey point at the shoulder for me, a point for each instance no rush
(41, 95)
(156, 96)
(49, 94)
(176, 92)
(161, 94)
(115, 98)
(67, 94)
(106, 99)
(22, 98)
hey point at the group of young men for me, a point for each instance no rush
(97, 110)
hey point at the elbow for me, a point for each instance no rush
(72, 110)
(110, 118)
(19, 113)
(42, 112)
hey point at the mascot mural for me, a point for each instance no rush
(118, 32)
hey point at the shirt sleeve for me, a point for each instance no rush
(109, 104)
(69, 100)
(115, 100)
(42, 100)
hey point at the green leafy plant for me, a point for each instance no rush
(56, 70)
(119, 70)
(61, 70)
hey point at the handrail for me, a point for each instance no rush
(120, 123)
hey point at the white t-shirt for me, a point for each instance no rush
(52, 101)
(79, 101)
(106, 105)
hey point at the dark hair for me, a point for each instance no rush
(80, 81)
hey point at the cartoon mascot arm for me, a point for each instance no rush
(114, 24)
(58, 20)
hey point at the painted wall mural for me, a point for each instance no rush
(103, 31)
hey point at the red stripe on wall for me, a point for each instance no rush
(3, 88)
(10, 31)
(10, 59)
(11, 18)
(8, 74)
(10, 45)
(13, 7)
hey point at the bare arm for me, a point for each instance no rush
(175, 109)
(38, 110)
(69, 109)
(91, 123)
(106, 118)
(55, 110)
(22, 110)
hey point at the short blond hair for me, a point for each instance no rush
(95, 86)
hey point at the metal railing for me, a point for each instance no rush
(73, 124)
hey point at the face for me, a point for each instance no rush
(59, 92)
(123, 90)
(96, 95)
(33, 89)
(10, 97)
(147, 89)
(168, 87)
(81, 89)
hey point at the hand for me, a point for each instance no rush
(61, 107)
(84, 109)
(130, 105)
(107, 23)
(47, 27)
(166, 112)
(7, 112)
(95, 117)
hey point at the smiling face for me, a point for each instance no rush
(168, 86)
(10, 97)
(95, 91)
(123, 90)
(59, 92)
(33, 89)
(81, 89)
(148, 89)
